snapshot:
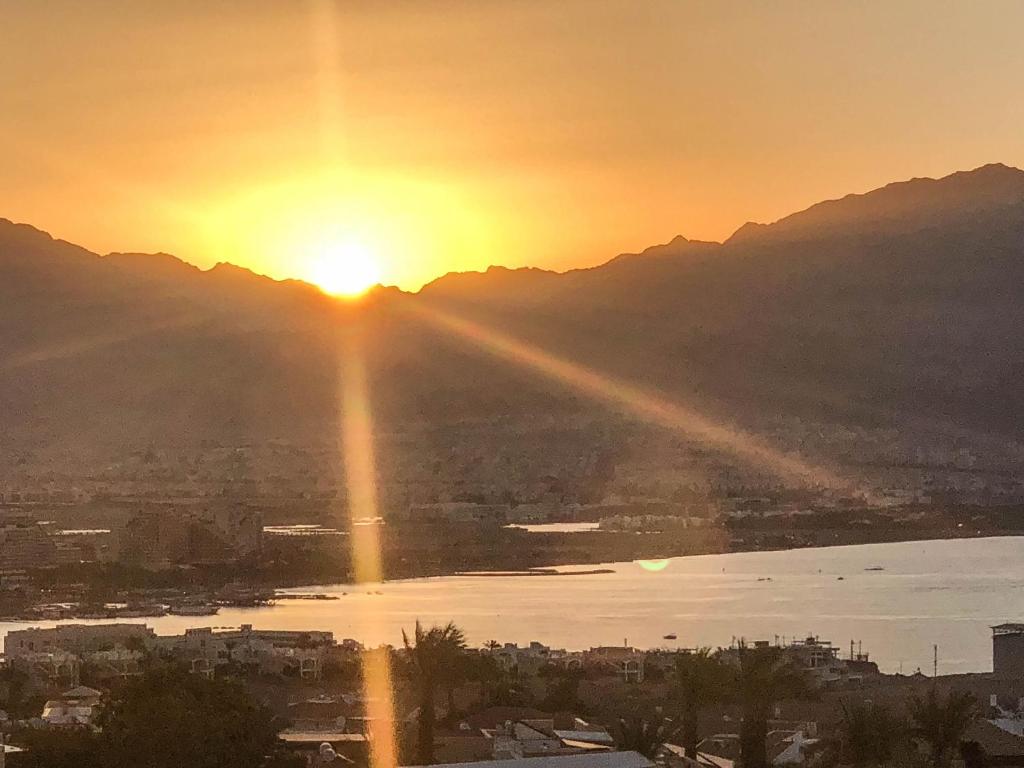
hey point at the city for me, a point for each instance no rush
(511, 384)
(506, 702)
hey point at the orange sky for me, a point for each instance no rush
(451, 135)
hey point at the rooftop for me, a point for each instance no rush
(592, 760)
(318, 737)
(1006, 629)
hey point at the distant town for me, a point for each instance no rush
(618, 706)
(187, 531)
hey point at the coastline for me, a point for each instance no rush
(930, 588)
(554, 554)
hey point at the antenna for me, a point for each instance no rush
(935, 661)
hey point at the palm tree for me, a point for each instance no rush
(700, 679)
(762, 677)
(640, 734)
(866, 735)
(492, 645)
(457, 667)
(430, 654)
(941, 723)
(563, 688)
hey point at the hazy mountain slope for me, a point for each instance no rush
(899, 307)
(905, 301)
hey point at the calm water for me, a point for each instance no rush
(557, 527)
(944, 592)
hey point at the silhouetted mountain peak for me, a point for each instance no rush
(161, 266)
(21, 241)
(494, 278)
(920, 318)
(750, 229)
(901, 206)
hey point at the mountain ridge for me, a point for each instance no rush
(876, 314)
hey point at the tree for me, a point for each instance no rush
(458, 669)
(14, 683)
(165, 719)
(973, 754)
(941, 723)
(59, 749)
(563, 689)
(762, 677)
(867, 735)
(501, 687)
(169, 718)
(642, 734)
(700, 679)
(429, 656)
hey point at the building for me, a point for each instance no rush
(784, 746)
(457, 512)
(624, 662)
(192, 534)
(325, 748)
(597, 760)
(521, 739)
(5, 750)
(116, 664)
(526, 660)
(74, 639)
(1008, 650)
(674, 756)
(25, 544)
(518, 732)
(818, 659)
(281, 652)
(54, 669)
(76, 708)
(14, 580)
(998, 746)
(116, 651)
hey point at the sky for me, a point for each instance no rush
(428, 136)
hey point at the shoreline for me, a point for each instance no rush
(705, 601)
(669, 553)
(579, 560)
(550, 570)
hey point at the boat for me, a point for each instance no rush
(193, 609)
(875, 568)
(670, 637)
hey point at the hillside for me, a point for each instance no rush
(894, 310)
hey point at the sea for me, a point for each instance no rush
(904, 604)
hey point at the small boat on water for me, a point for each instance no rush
(874, 568)
(193, 609)
(670, 636)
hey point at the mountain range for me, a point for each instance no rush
(898, 310)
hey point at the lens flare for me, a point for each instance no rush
(640, 403)
(653, 566)
(361, 482)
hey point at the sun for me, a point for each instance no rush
(346, 268)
